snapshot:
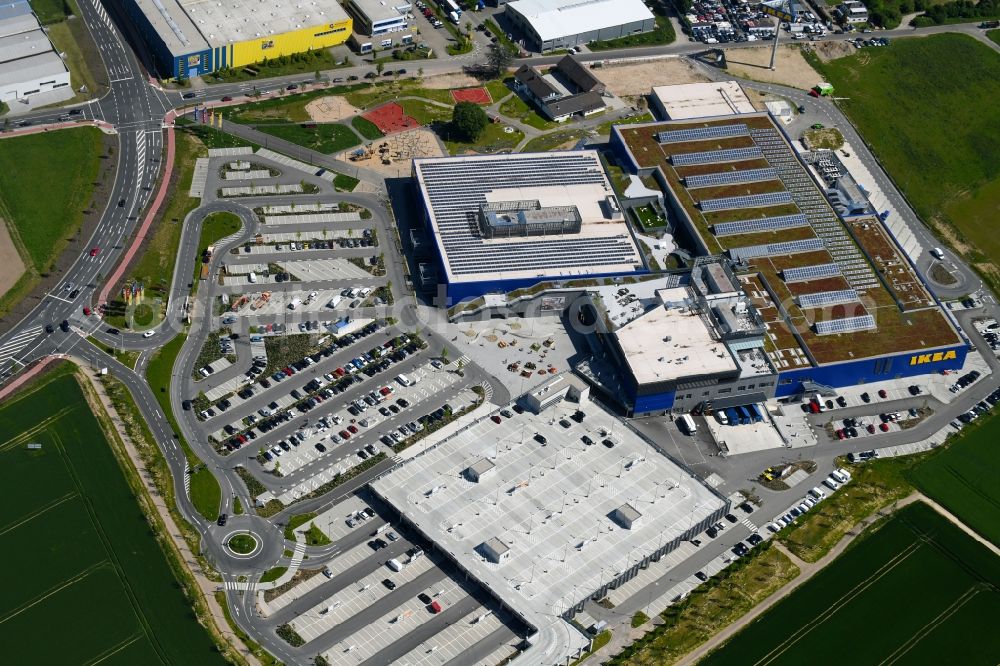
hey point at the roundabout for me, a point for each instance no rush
(243, 544)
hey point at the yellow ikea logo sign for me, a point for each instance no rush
(920, 359)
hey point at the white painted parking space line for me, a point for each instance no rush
(354, 598)
(453, 641)
(392, 626)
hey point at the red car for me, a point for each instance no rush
(814, 407)
(496, 419)
(884, 427)
(94, 251)
(344, 434)
(86, 312)
(840, 434)
(339, 372)
(871, 428)
(385, 390)
(882, 394)
(227, 98)
(353, 428)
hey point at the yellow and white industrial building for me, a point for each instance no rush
(196, 37)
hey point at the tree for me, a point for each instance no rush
(468, 121)
(498, 59)
(379, 66)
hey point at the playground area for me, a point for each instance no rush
(330, 109)
(395, 153)
(390, 119)
(474, 95)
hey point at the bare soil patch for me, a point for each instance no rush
(331, 109)
(827, 51)
(448, 81)
(402, 148)
(638, 79)
(11, 265)
(790, 68)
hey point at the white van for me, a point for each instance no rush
(688, 424)
(394, 564)
(404, 380)
(720, 416)
(334, 302)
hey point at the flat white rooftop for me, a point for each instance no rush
(14, 47)
(193, 25)
(14, 23)
(453, 189)
(382, 10)
(552, 19)
(32, 68)
(670, 342)
(552, 505)
(700, 100)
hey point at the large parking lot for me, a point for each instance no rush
(383, 599)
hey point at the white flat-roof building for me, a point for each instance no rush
(196, 37)
(378, 17)
(506, 221)
(700, 100)
(559, 24)
(556, 521)
(28, 65)
(672, 341)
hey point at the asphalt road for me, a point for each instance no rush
(135, 109)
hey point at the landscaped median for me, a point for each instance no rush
(206, 494)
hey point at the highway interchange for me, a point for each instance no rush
(135, 109)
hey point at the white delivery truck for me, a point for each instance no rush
(335, 301)
(688, 424)
(296, 302)
(394, 565)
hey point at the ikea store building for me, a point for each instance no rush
(196, 37)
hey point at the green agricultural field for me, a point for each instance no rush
(88, 580)
(940, 141)
(917, 590)
(963, 478)
(325, 138)
(43, 225)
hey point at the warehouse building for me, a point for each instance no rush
(378, 17)
(791, 297)
(501, 222)
(28, 64)
(547, 25)
(555, 521)
(196, 37)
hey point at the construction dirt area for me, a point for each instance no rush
(448, 81)
(790, 68)
(11, 266)
(331, 109)
(394, 154)
(632, 80)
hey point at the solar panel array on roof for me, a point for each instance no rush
(776, 249)
(457, 187)
(730, 177)
(846, 325)
(746, 201)
(760, 224)
(702, 133)
(825, 298)
(806, 273)
(714, 156)
(811, 201)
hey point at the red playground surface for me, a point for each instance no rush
(474, 95)
(389, 118)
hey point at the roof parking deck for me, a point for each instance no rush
(553, 501)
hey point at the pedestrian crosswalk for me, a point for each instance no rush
(99, 8)
(140, 146)
(241, 585)
(487, 391)
(749, 524)
(187, 480)
(299, 552)
(13, 345)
